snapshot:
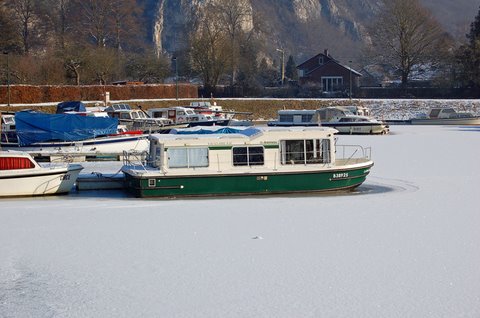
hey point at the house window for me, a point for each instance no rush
(332, 83)
(308, 151)
(248, 156)
(320, 60)
(187, 157)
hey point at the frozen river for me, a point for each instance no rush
(405, 244)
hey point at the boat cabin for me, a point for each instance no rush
(180, 115)
(135, 118)
(447, 113)
(248, 147)
(10, 160)
(358, 110)
(8, 122)
(296, 117)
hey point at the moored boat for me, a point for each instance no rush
(264, 160)
(71, 134)
(446, 116)
(351, 120)
(339, 118)
(188, 116)
(20, 175)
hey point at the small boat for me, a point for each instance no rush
(241, 161)
(219, 114)
(56, 134)
(20, 175)
(137, 119)
(347, 120)
(446, 116)
(185, 115)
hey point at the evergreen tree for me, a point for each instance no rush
(474, 33)
(468, 57)
(291, 69)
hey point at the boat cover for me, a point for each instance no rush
(35, 127)
(204, 130)
(72, 106)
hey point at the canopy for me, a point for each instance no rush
(72, 106)
(35, 127)
(204, 130)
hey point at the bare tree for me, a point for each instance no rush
(56, 14)
(92, 19)
(210, 48)
(8, 35)
(126, 22)
(236, 18)
(101, 64)
(23, 13)
(406, 35)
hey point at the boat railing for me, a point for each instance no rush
(353, 153)
(135, 157)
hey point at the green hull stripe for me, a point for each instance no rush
(241, 184)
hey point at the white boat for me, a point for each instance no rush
(446, 116)
(105, 145)
(20, 175)
(64, 134)
(240, 161)
(187, 115)
(347, 120)
(137, 119)
(340, 118)
(217, 112)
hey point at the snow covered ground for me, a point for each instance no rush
(405, 244)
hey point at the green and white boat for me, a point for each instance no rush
(266, 160)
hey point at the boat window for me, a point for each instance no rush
(307, 118)
(434, 113)
(11, 163)
(187, 157)
(286, 118)
(309, 151)
(248, 156)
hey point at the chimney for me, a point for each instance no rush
(325, 52)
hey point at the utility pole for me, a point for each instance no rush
(176, 78)
(8, 79)
(350, 91)
(283, 64)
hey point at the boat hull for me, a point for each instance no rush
(102, 145)
(39, 182)
(447, 121)
(358, 128)
(159, 185)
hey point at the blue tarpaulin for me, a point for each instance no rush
(199, 130)
(72, 106)
(35, 127)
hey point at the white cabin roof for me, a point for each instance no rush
(257, 135)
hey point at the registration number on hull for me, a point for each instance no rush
(340, 175)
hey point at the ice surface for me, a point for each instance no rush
(405, 244)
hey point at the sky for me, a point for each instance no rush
(404, 244)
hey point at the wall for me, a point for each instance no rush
(27, 94)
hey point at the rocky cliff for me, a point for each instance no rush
(303, 26)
